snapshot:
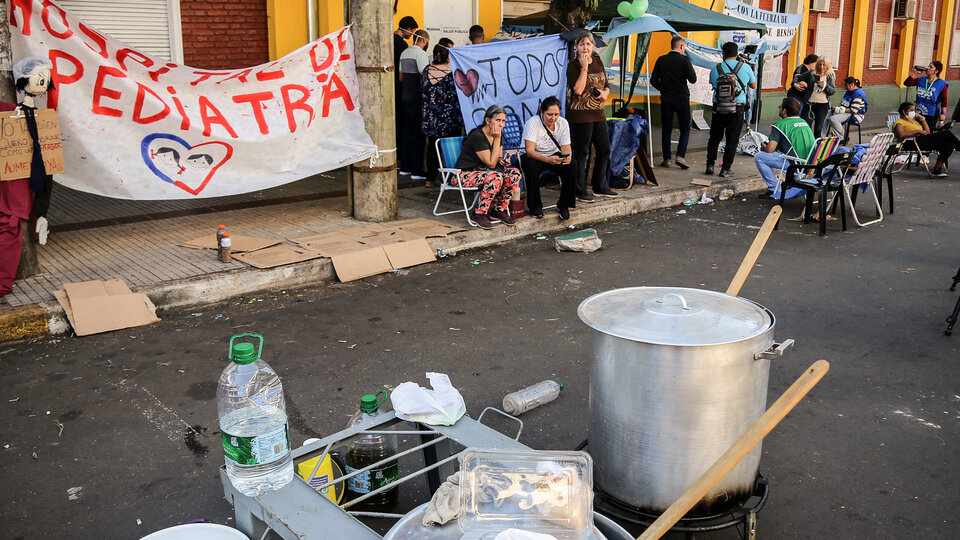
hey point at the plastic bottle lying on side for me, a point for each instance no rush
(531, 397)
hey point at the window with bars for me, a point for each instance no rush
(152, 26)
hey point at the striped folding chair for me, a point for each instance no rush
(866, 172)
(794, 176)
(448, 152)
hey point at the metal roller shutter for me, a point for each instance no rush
(152, 26)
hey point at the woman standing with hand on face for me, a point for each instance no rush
(588, 91)
(481, 164)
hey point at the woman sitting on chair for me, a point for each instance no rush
(481, 163)
(852, 108)
(546, 138)
(942, 142)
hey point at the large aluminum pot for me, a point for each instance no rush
(678, 376)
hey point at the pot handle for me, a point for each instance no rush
(777, 349)
(683, 301)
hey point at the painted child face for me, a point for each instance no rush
(38, 83)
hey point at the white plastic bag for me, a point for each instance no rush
(442, 406)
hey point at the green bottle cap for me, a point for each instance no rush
(368, 403)
(244, 353)
(561, 384)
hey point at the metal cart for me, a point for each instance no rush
(299, 512)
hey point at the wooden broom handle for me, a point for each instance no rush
(741, 448)
(754, 251)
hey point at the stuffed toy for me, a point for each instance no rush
(32, 78)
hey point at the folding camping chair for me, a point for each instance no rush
(907, 151)
(856, 176)
(448, 152)
(822, 148)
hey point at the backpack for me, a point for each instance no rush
(729, 88)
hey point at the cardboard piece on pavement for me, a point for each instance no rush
(93, 307)
(362, 263)
(239, 243)
(426, 227)
(702, 182)
(412, 253)
(277, 256)
(16, 145)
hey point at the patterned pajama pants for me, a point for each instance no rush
(496, 188)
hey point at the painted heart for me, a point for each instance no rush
(177, 162)
(466, 82)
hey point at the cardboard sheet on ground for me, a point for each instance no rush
(93, 307)
(359, 252)
(239, 243)
(277, 256)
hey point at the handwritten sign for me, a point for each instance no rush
(16, 145)
(515, 74)
(139, 127)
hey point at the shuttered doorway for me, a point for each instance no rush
(152, 26)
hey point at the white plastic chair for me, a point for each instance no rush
(448, 151)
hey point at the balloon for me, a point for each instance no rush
(635, 11)
(623, 8)
(643, 7)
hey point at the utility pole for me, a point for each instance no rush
(28, 255)
(375, 188)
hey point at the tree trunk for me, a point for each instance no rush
(375, 188)
(566, 15)
(28, 256)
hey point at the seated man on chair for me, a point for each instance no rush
(790, 136)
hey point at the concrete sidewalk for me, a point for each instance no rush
(105, 239)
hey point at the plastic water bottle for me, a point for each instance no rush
(531, 397)
(253, 421)
(220, 230)
(369, 450)
(225, 243)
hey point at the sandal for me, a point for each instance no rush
(816, 217)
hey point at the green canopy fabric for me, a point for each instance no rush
(682, 16)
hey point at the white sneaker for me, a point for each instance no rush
(403, 173)
(417, 177)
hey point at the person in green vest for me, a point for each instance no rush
(790, 136)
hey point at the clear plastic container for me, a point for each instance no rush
(369, 450)
(253, 422)
(538, 491)
(531, 397)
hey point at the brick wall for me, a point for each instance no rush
(220, 34)
(880, 75)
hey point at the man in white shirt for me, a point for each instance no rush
(546, 138)
(411, 140)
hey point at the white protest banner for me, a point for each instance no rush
(781, 27)
(516, 74)
(138, 127)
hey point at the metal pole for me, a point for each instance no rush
(646, 61)
(312, 27)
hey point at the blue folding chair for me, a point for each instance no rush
(448, 152)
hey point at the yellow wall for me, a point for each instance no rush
(798, 49)
(905, 59)
(287, 20)
(286, 26)
(946, 24)
(858, 41)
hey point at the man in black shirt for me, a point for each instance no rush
(670, 76)
(404, 30)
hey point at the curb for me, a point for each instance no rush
(45, 318)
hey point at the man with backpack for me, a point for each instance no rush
(730, 80)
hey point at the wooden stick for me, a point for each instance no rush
(754, 251)
(741, 448)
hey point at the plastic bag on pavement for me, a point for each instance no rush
(517, 534)
(442, 406)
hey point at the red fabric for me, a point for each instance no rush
(11, 238)
(6, 106)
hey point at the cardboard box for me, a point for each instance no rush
(93, 307)
(16, 145)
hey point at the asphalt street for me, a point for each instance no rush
(115, 435)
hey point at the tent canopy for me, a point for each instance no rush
(683, 17)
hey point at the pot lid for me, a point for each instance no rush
(674, 316)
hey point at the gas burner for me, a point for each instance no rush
(744, 517)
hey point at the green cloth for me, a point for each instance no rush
(793, 133)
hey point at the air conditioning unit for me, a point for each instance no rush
(905, 9)
(820, 5)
